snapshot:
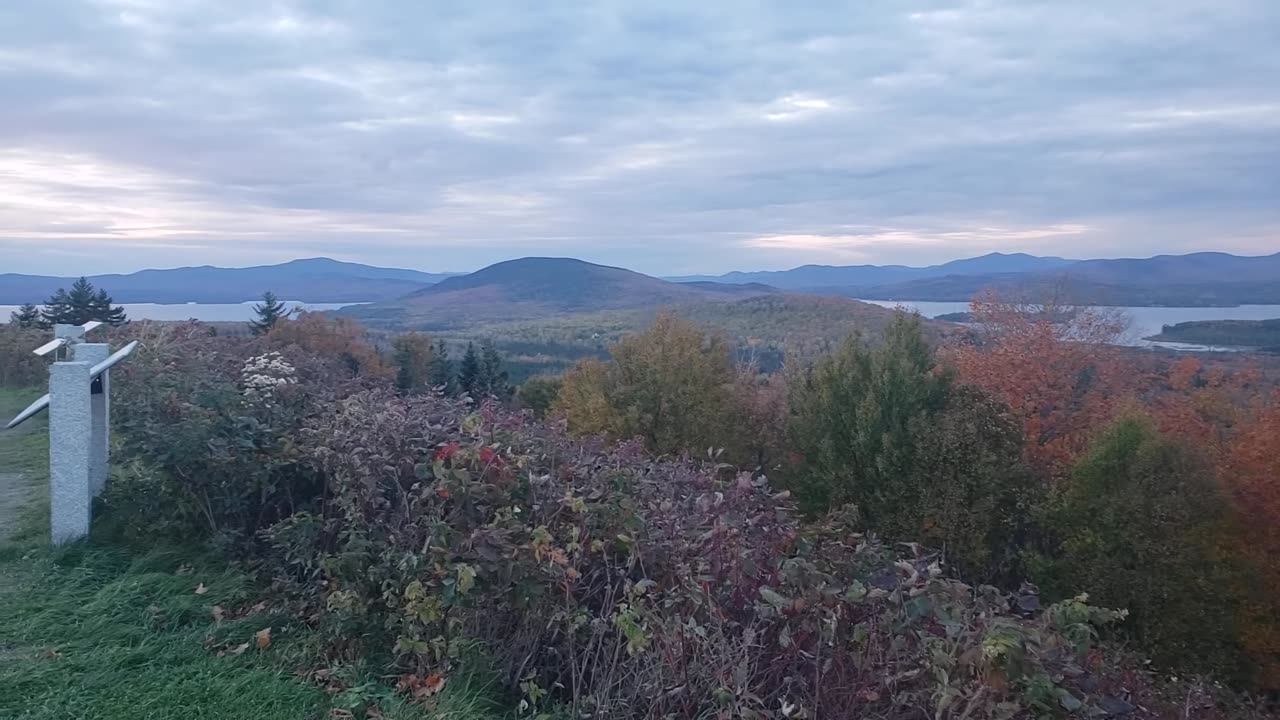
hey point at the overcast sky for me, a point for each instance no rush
(666, 137)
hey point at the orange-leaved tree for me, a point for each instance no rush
(1053, 364)
(336, 337)
(1252, 480)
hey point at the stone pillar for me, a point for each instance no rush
(70, 427)
(100, 402)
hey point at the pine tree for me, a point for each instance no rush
(26, 317)
(81, 305)
(441, 372)
(469, 371)
(105, 312)
(57, 309)
(270, 311)
(493, 379)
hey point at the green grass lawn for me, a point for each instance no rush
(97, 630)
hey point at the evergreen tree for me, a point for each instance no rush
(493, 378)
(26, 317)
(105, 312)
(469, 370)
(81, 305)
(270, 311)
(441, 372)
(853, 418)
(57, 309)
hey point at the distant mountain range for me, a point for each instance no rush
(536, 287)
(1198, 279)
(807, 277)
(316, 280)
(539, 287)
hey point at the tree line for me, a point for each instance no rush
(81, 304)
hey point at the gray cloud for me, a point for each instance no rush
(668, 137)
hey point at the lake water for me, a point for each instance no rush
(1145, 321)
(209, 312)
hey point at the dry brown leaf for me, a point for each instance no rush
(340, 714)
(239, 649)
(50, 653)
(218, 613)
(262, 638)
(201, 589)
(372, 713)
(431, 685)
(259, 607)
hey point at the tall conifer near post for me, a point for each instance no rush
(82, 304)
(270, 311)
(26, 317)
(104, 311)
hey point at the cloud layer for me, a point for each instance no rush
(670, 137)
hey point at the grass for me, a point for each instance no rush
(99, 631)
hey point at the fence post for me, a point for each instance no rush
(70, 430)
(100, 403)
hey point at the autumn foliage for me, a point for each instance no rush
(1053, 365)
(812, 560)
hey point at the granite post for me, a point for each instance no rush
(100, 402)
(70, 430)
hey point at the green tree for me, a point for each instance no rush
(853, 415)
(270, 311)
(492, 379)
(968, 490)
(669, 385)
(1138, 527)
(103, 310)
(80, 305)
(886, 430)
(413, 357)
(469, 370)
(441, 371)
(538, 393)
(26, 317)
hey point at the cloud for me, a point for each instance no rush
(662, 136)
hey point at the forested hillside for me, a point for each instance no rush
(1017, 522)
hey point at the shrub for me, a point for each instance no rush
(212, 425)
(615, 586)
(539, 393)
(19, 367)
(332, 337)
(1138, 526)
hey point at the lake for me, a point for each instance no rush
(1146, 321)
(209, 312)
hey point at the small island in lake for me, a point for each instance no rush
(1263, 335)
